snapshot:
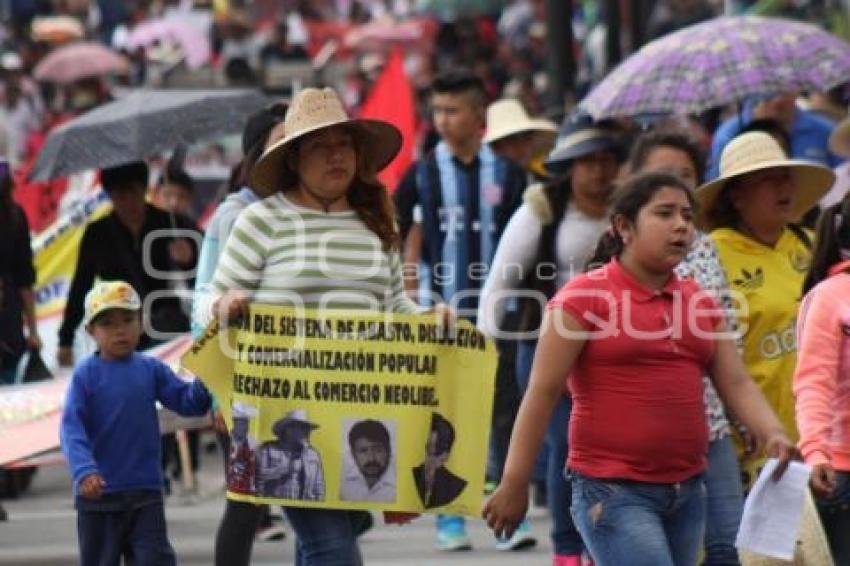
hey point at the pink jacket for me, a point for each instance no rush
(822, 377)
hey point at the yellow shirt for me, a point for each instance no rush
(771, 281)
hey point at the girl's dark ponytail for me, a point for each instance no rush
(609, 246)
(832, 243)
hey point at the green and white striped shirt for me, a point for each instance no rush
(285, 254)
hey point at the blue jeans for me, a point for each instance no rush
(640, 524)
(565, 537)
(724, 503)
(327, 537)
(505, 405)
(835, 517)
(524, 359)
(129, 524)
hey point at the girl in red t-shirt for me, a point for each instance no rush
(634, 340)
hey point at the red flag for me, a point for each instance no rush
(391, 99)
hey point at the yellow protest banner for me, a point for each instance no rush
(56, 250)
(349, 410)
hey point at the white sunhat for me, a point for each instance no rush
(507, 117)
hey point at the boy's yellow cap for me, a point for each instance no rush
(107, 295)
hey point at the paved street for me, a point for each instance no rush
(41, 531)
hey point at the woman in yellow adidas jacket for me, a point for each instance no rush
(750, 210)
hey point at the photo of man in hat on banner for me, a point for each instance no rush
(242, 464)
(289, 467)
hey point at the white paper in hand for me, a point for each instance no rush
(772, 512)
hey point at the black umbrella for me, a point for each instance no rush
(143, 124)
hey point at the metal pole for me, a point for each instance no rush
(560, 61)
(638, 13)
(613, 49)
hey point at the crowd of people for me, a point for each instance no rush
(669, 485)
(669, 297)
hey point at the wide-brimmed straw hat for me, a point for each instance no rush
(315, 109)
(757, 151)
(507, 117)
(839, 139)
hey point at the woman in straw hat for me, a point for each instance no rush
(822, 378)
(751, 209)
(322, 173)
(553, 233)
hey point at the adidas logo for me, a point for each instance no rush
(749, 280)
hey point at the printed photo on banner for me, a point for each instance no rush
(289, 467)
(436, 485)
(242, 464)
(348, 410)
(368, 469)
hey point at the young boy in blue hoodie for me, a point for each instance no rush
(110, 434)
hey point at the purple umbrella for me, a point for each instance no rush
(719, 62)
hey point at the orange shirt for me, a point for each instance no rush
(822, 377)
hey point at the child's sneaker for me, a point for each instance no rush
(451, 534)
(567, 560)
(522, 538)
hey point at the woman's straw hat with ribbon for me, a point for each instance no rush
(315, 109)
(757, 151)
(507, 117)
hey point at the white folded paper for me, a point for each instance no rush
(772, 512)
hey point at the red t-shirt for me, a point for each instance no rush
(638, 411)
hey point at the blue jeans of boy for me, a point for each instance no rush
(565, 537)
(724, 503)
(835, 517)
(327, 537)
(640, 524)
(129, 524)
